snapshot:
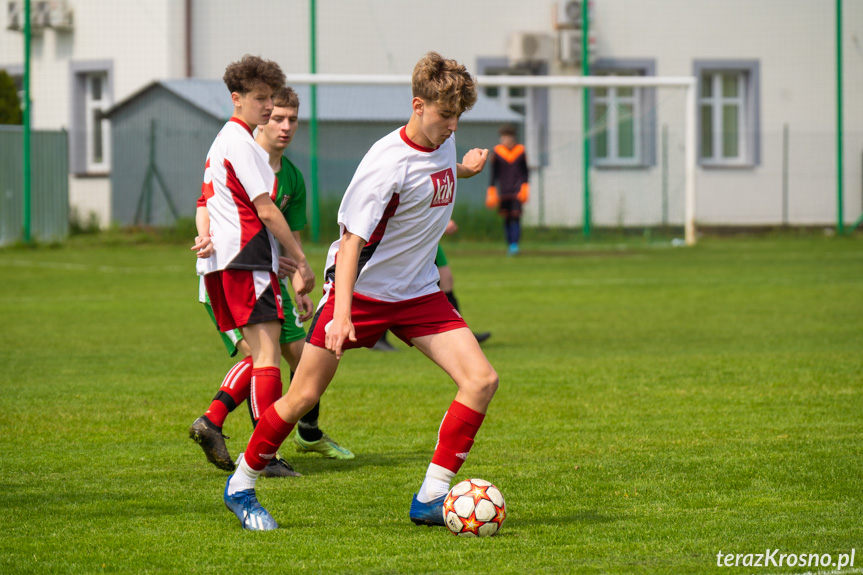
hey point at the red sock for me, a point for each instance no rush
(455, 437)
(266, 389)
(233, 391)
(269, 434)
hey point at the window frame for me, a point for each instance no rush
(747, 101)
(643, 99)
(92, 107)
(81, 109)
(535, 114)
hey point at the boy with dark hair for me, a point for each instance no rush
(242, 226)
(274, 137)
(392, 216)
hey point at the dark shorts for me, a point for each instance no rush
(510, 206)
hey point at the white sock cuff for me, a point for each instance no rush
(436, 483)
(440, 473)
(244, 478)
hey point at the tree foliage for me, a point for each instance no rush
(10, 105)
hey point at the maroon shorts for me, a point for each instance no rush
(425, 315)
(243, 297)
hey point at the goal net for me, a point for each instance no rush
(607, 154)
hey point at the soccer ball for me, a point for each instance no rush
(474, 508)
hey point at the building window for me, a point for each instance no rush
(97, 127)
(529, 103)
(623, 117)
(618, 138)
(89, 129)
(728, 113)
(513, 97)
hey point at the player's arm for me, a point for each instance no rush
(347, 264)
(287, 267)
(525, 171)
(203, 244)
(524, 187)
(472, 163)
(304, 279)
(492, 199)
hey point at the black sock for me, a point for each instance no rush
(308, 425)
(451, 297)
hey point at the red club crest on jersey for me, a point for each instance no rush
(444, 188)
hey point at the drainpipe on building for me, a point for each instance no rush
(188, 38)
(313, 128)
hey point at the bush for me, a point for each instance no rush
(10, 105)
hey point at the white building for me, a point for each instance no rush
(766, 72)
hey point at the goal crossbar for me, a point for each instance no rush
(688, 83)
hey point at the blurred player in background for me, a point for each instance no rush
(508, 187)
(381, 275)
(274, 137)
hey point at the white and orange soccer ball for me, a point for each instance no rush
(474, 508)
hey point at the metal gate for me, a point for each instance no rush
(49, 188)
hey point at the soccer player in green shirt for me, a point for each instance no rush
(237, 386)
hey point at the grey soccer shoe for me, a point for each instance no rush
(278, 467)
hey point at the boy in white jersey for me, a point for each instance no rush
(391, 219)
(239, 184)
(237, 386)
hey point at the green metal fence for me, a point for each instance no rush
(49, 194)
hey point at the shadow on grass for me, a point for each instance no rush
(584, 517)
(309, 464)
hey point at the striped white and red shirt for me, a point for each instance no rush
(237, 172)
(400, 201)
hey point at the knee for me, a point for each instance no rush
(298, 401)
(486, 384)
(306, 400)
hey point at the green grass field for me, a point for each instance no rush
(657, 406)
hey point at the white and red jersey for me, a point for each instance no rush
(237, 172)
(400, 201)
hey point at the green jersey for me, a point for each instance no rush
(291, 195)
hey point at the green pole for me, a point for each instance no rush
(840, 225)
(585, 71)
(313, 127)
(26, 134)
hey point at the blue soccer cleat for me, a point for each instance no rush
(245, 506)
(430, 513)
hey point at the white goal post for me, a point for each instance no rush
(685, 82)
